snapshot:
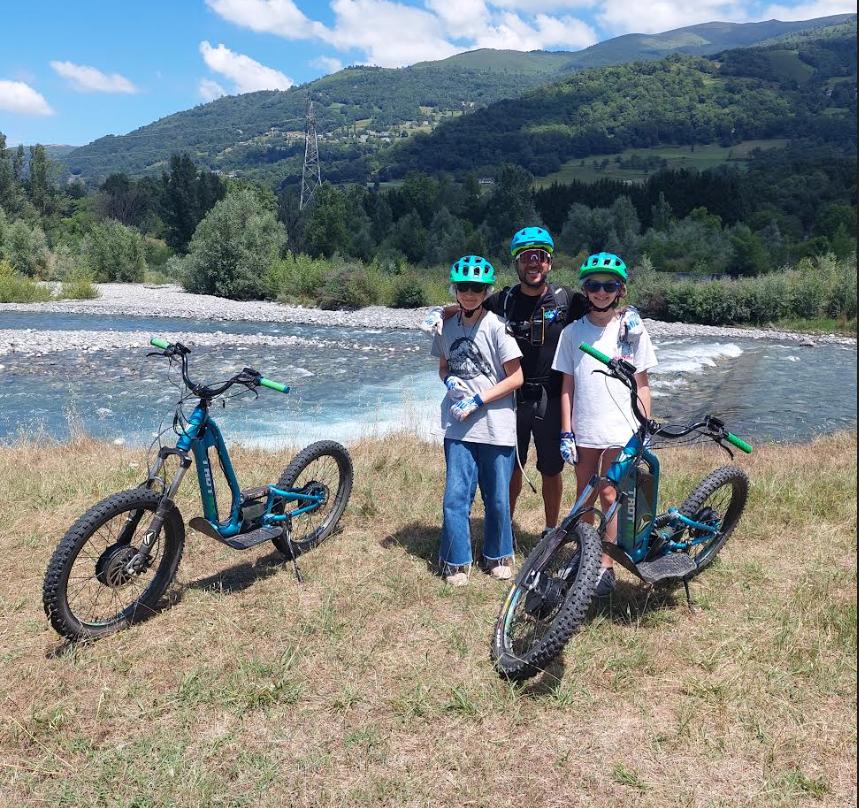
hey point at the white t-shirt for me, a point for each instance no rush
(602, 409)
(476, 354)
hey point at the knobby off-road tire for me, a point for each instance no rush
(325, 465)
(551, 612)
(85, 594)
(721, 495)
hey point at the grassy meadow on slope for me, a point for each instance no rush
(370, 684)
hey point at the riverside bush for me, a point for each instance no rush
(16, 288)
(114, 252)
(234, 249)
(350, 287)
(409, 293)
(818, 289)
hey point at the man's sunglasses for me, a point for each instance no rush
(535, 257)
(468, 286)
(605, 286)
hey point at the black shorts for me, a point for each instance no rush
(546, 435)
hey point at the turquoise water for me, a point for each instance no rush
(764, 390)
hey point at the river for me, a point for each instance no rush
(362, 383)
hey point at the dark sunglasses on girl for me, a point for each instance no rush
(468, 286)
(605, 286)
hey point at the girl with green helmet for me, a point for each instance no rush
(479, 364)
(596, 413)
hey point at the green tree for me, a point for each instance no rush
(114, 252)
(510, 207)
(27, 249)
(234, 249)
(38, 178)
(7, 189)
(326, 232)
(662, 213)
(750, 254)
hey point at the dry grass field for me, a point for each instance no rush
(370, 684)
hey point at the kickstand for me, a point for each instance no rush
(689, 597)
(288, 533)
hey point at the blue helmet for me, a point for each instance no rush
(532, 238)
(606, 263)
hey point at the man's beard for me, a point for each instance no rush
(541, 279)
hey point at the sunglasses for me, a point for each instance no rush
(604, 286)
(467, 286)
(534, 257)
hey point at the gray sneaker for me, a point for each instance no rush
(606, 582)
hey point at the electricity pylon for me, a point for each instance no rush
(311, 175)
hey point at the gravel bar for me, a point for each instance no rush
(141, 300)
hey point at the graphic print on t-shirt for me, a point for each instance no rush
(466, 361)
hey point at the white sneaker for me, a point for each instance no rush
(456, 576)
(502, 569)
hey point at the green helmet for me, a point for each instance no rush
(603, 263)
(472, 268)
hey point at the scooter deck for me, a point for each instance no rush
(243, 541)
(671, 567)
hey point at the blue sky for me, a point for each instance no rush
(75, 70)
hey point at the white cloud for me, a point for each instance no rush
(17, 97)
(87, 79)
(634, 16)
(512, 33)
(246, 74)
(281, 17)
(809, 11)
(327, 64)
(463, 19)
(211, 90)
(541, 6)
(391, 35)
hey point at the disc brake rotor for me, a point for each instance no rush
(110, 569)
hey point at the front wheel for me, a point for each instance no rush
(323, 469)
(548, 601)
(717, 501)
(88, 591)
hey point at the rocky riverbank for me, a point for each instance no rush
(138, 300)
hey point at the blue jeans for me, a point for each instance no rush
(470, 465)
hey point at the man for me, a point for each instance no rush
(536, 313)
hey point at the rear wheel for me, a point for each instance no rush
(87, 591)
(548, 601)
(323, 469)
(717, 501)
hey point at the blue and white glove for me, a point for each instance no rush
(568, 448)
(631, 321)
(457, 388)
(434, 321)
(462, 409)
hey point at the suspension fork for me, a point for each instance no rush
(167, 502)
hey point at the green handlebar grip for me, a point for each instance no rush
(281, 388)
(159, 343)
(739, 443)
(598, 355)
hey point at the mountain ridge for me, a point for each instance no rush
(364, 110)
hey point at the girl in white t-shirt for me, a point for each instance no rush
(596, 411)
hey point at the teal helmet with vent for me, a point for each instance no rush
(532, 238)
(473, 269)
(605, 263)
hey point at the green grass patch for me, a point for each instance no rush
(589, 169)
(787, 65)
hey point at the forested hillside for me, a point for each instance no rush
(364, 111)
(755, 93)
